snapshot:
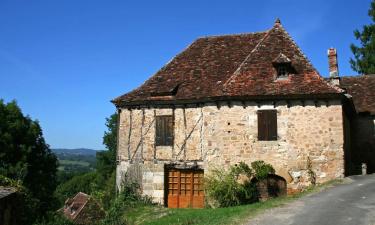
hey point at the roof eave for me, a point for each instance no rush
(146, 102)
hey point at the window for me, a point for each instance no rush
(282, 71)
(267, 125)
(164, 131)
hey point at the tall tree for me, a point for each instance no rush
(24, 154)
(106, 160)
(364, 55)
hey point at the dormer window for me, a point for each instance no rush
(282, 71)
(282, 65)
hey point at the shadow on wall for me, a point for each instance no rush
(363, 145)
(270, 187)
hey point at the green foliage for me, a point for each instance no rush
(81, 183)
(234, 187)
(262, 169)
(128, 199)
(364, 55)
(23, 202)
(25, 157)
(54, 218)
(225, 188)
(107, 192)
(106, 160)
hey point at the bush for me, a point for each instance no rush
(54, 219)
(81, 183)
(234, 187)
(127, 199)
(230, 188)
(262, 169)
(24, 203)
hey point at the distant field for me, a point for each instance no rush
(72, 165)
(71, 162)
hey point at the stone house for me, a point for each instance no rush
(227, 99)
(362, 90)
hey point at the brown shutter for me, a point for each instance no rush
(169, 131)
(262, 126)
(158, 131)
(164, 130)
(267, 125)
(272, 124)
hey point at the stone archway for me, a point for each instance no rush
(270, 187)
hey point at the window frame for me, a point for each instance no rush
(282, 71)
(267, 125)
(163, 137)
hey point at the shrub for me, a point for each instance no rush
(54, 218)
(234, 187)
(262, 169)
(127, 199)
(81, 183)
(225, 188)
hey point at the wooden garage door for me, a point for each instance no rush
(185, 189)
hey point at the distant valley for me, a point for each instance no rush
(76, 160)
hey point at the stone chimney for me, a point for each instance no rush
(333, 66)
(332, 62)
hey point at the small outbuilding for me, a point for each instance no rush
(82, 209)
(7, 205)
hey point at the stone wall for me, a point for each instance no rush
(220, 135)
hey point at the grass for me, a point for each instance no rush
(156, 215)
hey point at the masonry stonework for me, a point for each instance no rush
(217, 135)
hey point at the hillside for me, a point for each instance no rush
(76, 151)
(76, 160)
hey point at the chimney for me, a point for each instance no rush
(332, 62)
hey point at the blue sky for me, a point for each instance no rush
(63, 61)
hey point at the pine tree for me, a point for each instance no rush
(364, 55)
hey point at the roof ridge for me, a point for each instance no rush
(288, 36)
(295, 45)
(236, 72)
(229, 35)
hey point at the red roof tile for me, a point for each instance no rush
(233, 66)
(362, 88)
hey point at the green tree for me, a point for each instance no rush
(24, 154)
(106, 160)
(80, 183)
(105, 185)
(364, 55)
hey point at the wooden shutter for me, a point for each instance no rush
(267, 125)
(262, 125)
(164, 131)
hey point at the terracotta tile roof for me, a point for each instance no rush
(73, 206)
(362, 88)
(82, 209)
(232, 66)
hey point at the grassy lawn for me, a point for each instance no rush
(157, 215)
